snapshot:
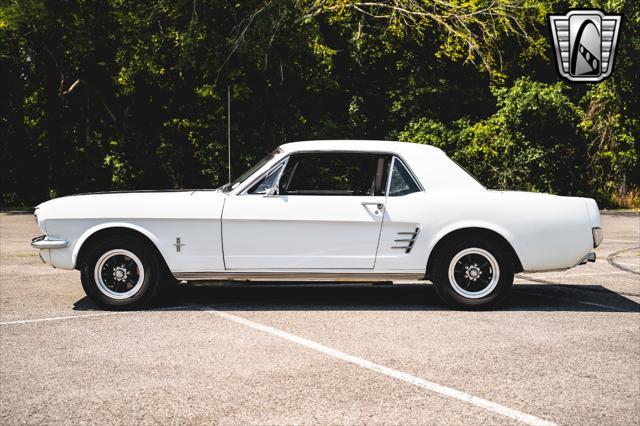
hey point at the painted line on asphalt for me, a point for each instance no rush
(28, 321)
(99, 314)
(425, 384)
(619, 241)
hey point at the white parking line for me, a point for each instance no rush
(58, 318)
(425, 384)
(99, 314)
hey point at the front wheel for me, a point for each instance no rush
(473, 272)
(120, 273)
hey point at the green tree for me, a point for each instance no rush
(113, 94)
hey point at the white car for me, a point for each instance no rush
(321, 210)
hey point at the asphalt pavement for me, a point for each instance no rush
(564, 349)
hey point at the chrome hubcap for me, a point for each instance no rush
(474, 273)
(120, 273)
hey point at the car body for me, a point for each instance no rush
(337, 210)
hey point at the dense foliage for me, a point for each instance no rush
(119, 94)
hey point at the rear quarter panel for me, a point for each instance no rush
(547, 232)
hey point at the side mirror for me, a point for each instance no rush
(272, 192)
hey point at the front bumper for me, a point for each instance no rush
(45, 242)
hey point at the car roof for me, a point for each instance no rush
(433, 168)
(402, 148)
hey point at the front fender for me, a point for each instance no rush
(89, 232)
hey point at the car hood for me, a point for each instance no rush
(135, 204)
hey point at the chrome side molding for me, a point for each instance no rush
(297, 276)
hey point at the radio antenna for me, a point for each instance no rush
(229, 131)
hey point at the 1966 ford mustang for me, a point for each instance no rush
(337, 210)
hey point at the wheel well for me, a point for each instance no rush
(475, 232)
(115, 232)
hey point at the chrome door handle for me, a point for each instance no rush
(380, 206)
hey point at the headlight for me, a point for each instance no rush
(598, 235)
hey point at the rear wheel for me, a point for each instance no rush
(473, 272)
(120, 273)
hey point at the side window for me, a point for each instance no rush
(402, 183)
(266, 182)
(334, 174)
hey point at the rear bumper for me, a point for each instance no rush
(45, 242)
(589, 257)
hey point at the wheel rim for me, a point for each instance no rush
(474, 273)
(119, 274)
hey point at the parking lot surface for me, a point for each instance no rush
(564, 349)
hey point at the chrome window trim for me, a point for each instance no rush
(393, 162)
(411, 174)
(249, 182)
(370, 153)
(242, 190)
(293, 172)
(281, 165)
(282, 162)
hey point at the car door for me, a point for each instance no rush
(402, 240)
(327, 214)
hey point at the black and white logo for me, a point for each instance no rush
(585, 44)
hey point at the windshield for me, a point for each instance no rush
(233, 185)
